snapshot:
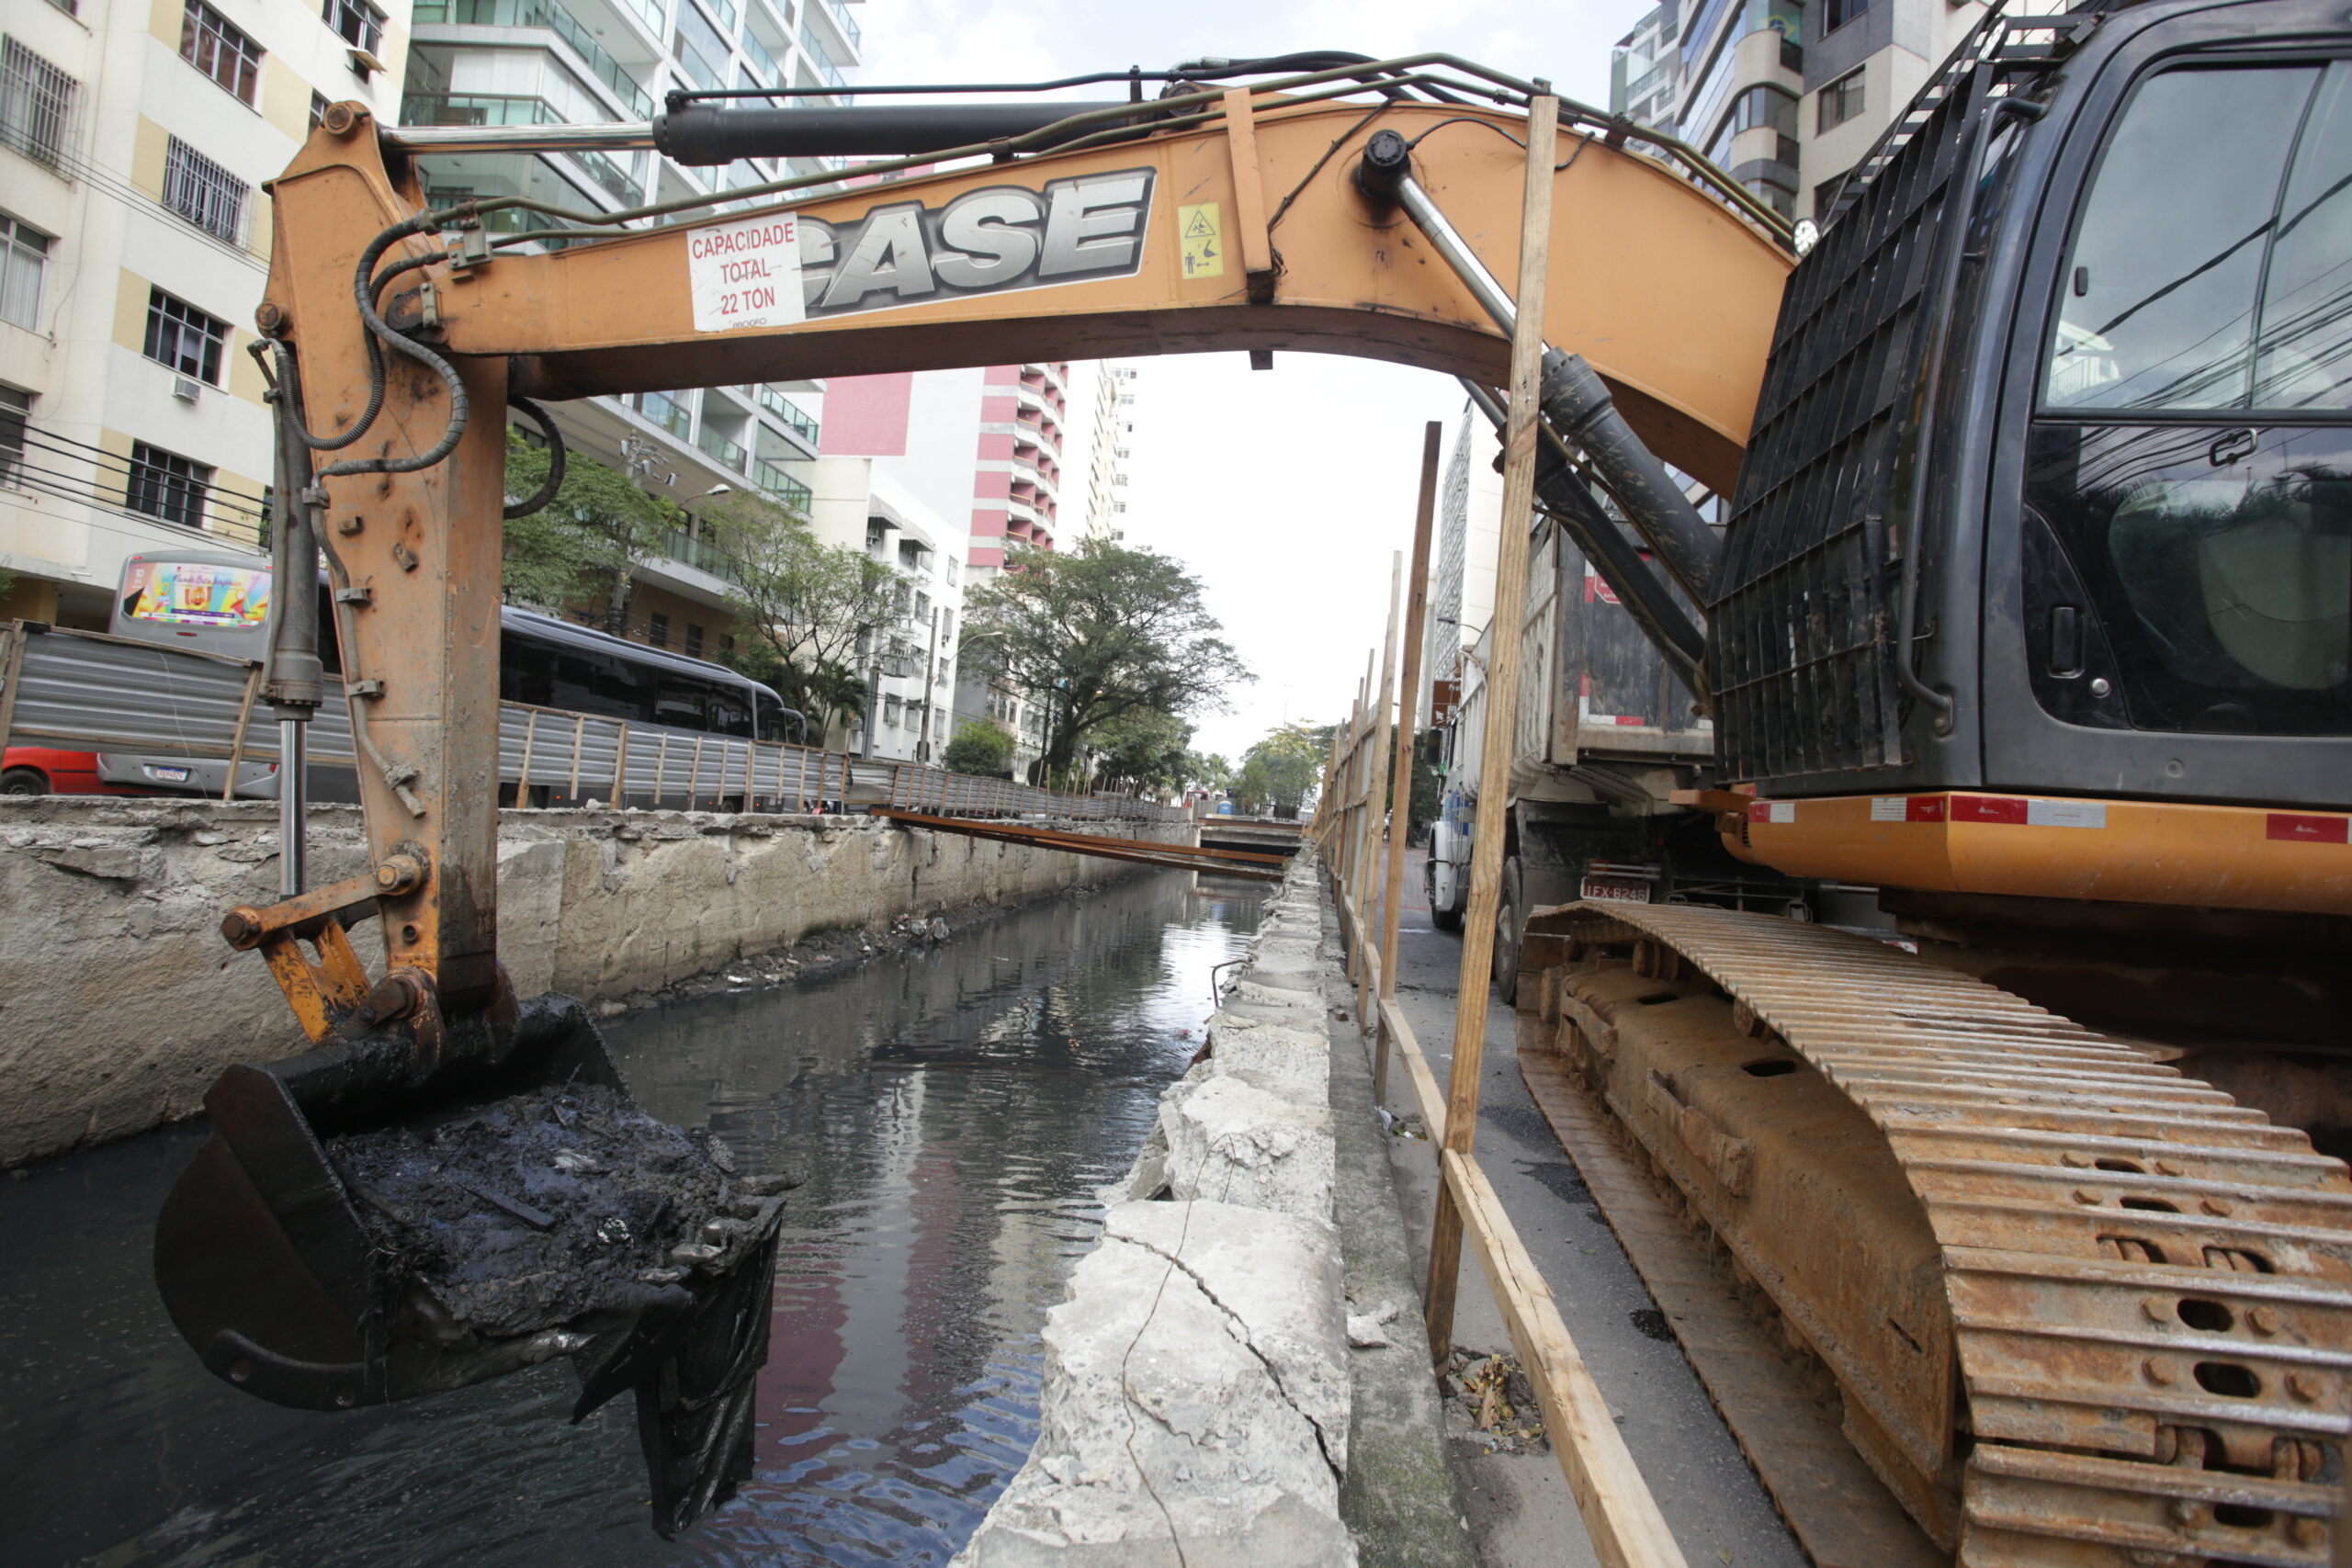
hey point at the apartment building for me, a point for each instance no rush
(1110, 403)
(1462, 576)
(134, 242)
(1785, 95)
(576, 61)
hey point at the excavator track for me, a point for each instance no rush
(2150, 1286)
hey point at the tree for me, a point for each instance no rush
(1142, 750)
(981, 746)
(1211, 772)
(812, 608)
(587, 543)
(1279, 769)
(1096, 633)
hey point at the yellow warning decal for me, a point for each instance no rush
(1204, 245)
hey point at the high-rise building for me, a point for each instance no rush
(1017, 477)
(1785, 95)
(1645, 69)
(1110, 426)
(134, 243)
(1462, 577)
(554, 61)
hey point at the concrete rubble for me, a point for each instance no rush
(1197, 1398)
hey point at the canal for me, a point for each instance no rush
(954, 1108)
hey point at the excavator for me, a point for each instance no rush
(2031, 612)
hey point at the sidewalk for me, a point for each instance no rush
(1520, 1509)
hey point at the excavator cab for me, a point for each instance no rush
(2071, 357)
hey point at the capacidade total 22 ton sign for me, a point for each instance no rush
(784, 267)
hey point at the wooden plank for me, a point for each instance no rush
(1620, 1516)
(1427, 1096)
(1248, 197)
(12, 671)
(1408, 683)
(1502, 705)
(244, 718)
(620, 767)
(1375, 781)
(579, 744)
(1842, 1515)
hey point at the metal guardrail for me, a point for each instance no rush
(94, 692)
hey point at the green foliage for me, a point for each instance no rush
(808, 604)
(1278, 770)
(589, 541)
(1142, 750)
(1212, 771)
(981, 746)
(1096, 633)
(1426, 792)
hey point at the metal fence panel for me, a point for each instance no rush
(90, 691)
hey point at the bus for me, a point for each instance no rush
(217, 602)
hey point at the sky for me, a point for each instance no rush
(1289, 492)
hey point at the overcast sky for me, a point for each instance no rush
(1287, 490)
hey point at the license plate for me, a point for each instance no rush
(169, 775)
(1623, 890)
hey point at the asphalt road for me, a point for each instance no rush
(1520, 1509)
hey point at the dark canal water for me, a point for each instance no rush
(955, 1109)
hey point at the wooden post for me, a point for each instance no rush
(1502, 712)
(522, 779)
(1400, 780)
(1375, 781)
(244, 718)
(12, 674)
(620, 767)
(579, 744)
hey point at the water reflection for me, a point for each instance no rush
(955, 1110)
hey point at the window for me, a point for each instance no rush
(727, 648)
(1836, 14)
(892, 708)
(180, 335)
(951, 570)
(16, 407)
(356, 22)
(36, 103)
(693, 640)
(2214, 592)
(213, 46)
(24, 251)
(166, 485)
(204, 193)
(657, 629)
(1825, 195)
(1840, 101)
(318, 110)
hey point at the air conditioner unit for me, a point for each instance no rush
(186, 389)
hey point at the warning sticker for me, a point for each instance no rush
(1771, 811)
(746, 274)
(1906, 808)
(1196, 227)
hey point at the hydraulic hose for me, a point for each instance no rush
(539, 498)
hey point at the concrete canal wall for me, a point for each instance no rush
(1242, 1351)
(120, 1002)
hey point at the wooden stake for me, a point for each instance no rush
(1502, 711)
(1400, 785)
(1376, 780)
(244, 718)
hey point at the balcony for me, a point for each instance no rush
(721, 450)
(789, 492)
(556, 21)
(677, 545)
(837, 17)
(502, 108)
(668, 412)
(794, 417)
(826, 70)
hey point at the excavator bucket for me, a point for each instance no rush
(360, 1229)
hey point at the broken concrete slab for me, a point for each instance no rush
(1233, 1142)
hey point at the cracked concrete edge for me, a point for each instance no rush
(1076, 1499)
(1397, 1498)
